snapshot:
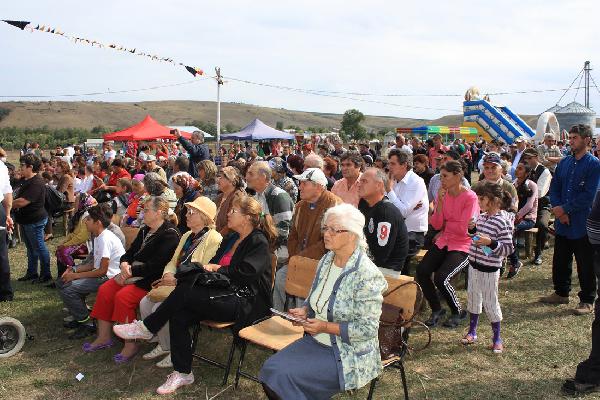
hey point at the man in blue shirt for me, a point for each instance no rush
(572, 192)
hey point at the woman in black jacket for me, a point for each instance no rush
(142, 264)
(244, 258)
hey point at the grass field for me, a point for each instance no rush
(543, 344)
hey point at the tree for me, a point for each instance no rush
(229, 128)
(351, 126)
(279, 125)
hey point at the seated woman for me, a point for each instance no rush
(157, 186)
(145, 260)
(231, 186)
(198, 245)
(75, 241)
(187, 189)
(207, 174)
(133, 216)
(527, 193)
(341, 317)
(243, 257)
(455, 206)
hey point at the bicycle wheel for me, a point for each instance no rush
(12, 337)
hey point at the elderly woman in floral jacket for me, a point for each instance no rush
(340, 348)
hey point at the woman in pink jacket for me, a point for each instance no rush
(454, 207)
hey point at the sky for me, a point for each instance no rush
(374, 47)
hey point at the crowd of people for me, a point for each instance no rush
(358, 211)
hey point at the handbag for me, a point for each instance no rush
(193, 274)
(393, 328)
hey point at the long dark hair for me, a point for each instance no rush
(494, 192)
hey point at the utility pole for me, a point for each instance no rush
(587, 69)
(219, 80)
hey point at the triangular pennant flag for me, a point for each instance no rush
(19, 24)
(194, 71)
(43, 28)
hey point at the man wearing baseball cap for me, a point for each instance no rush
(280, 178)
(492, 172)
(305, 238)
(542, 177)
(152, 167)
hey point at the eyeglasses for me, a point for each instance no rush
(191, 211)
(234, 211)
(333, 231)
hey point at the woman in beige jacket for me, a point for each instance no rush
(198, 245)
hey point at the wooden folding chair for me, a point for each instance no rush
(404, 294)
(274, 333)
(215, 325)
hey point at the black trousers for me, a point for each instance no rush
(183, 308)
(444, 265)
(6, 290)
(415, 243)
(541, 223)
(562, 267)
(588, 371)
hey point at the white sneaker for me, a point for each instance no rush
(165, 362)
(132, 331)
(157, 352)
(174, 381)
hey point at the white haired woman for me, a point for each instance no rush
(340, 350)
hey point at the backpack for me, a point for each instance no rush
(56, 202)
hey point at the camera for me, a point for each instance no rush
(173, 131)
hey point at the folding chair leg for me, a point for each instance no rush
(372, 388)
(229, 361)
(404, 383)
(243, 346)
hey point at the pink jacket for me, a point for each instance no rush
(454, 219)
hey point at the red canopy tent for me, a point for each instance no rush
(146, 130)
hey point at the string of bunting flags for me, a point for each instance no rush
(26, 25)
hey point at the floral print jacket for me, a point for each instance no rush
(355, 304)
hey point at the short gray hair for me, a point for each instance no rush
(380, 176)
(262, 167)
(313, 161)
(349, 219)
(199, 135)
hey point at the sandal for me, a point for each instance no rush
(469, 339)
(121, 359)
(90, 348)
(497, 347)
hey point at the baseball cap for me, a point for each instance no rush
(313, 175)
(530, 152)
(492, 158)
(150, 157)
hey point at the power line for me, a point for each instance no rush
(108, 91)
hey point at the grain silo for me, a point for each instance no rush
(573, 114)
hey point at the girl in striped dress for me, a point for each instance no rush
(492, 241)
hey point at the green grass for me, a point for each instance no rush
(543, 344)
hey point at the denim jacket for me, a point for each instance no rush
(355, 304)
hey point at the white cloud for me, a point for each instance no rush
(375, 46)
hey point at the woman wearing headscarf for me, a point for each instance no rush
(187, 189)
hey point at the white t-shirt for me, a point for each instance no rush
(108, 245)
(110, 155)
(5, 187)
(85, 184)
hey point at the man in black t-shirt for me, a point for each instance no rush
(30, 213)
(384, 229)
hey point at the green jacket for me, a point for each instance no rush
(355, 304)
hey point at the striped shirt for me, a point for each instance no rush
(593, 221)
(497, 227)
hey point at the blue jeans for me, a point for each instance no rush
(521, 226)
(33, 235)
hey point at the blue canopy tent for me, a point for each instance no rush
(257, 130)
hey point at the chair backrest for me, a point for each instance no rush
(300, 276)
(130, 234)
(405, 297)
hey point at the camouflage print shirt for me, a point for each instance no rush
(286, 183)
